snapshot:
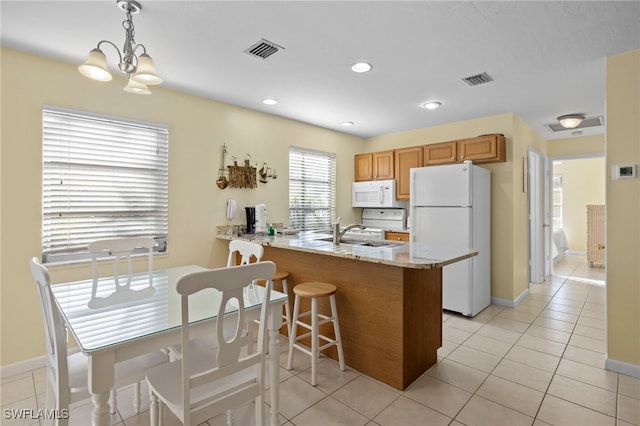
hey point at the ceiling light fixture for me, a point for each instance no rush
(270, 101)
(346, 123)
(570, 121)
(361, 67)
(139, 70)
(432, 105)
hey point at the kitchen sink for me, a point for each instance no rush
(378, 244)
(366, 243)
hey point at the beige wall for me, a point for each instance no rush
(623, 210)
(585, 145)
(198, 128)
(583, 183)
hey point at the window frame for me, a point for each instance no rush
(132, 183)
(314, 183)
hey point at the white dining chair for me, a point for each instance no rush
(196, 389)
(119, 250)
(247, 251)
(67, 380)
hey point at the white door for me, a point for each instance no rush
(448, 226)
(536, 239)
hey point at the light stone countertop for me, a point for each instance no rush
(395, 253)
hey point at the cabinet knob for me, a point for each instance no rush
(453, 158)
(462, 156)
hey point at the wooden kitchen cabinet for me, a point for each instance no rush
(440, 153)
(363, 167)
(483, 149)
(383, 165)
(406, 158)
(374, 166)
(396, 236)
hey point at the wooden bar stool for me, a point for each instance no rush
(314, 290)
(282, 277)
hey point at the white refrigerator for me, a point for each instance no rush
(450, 205)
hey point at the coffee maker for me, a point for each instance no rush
(251, 220)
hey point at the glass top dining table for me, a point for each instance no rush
(113, 323)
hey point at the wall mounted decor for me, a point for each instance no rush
(242, 176)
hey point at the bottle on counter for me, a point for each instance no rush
(272, 230)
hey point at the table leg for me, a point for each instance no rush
(100, 413)
(275, 322)
(101, 372)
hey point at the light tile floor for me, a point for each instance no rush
(541, 363)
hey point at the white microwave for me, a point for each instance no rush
(375, 193)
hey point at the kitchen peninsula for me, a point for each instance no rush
(389, 297)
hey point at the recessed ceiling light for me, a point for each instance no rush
(431, 105)
(361, 67)
(346, 123)
(269, 101)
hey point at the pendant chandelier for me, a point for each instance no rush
(139, 70)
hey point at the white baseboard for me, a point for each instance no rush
(510, 303)
(22, 366)
(626, 368)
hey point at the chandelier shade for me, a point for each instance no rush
(138, 88)
(138, 69)
(146, 71)
(95, 67)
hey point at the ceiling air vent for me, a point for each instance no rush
(263, 49)
(587, 122)
(477, 79)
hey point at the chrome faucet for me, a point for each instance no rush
(337, 235)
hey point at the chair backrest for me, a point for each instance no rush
(55, 335)
(119, 249)
(246, 249)
(246, 368)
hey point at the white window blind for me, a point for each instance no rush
(102, 177)
(312, 189)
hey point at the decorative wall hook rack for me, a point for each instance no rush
(242, 176)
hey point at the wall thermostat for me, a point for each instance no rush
(625, 171)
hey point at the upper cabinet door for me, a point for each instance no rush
(406, 158)
(363, 167)
(439, 153)
(483, 149)
(383, 165)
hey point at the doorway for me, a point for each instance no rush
(578, 187)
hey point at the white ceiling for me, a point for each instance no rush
(547, 58)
